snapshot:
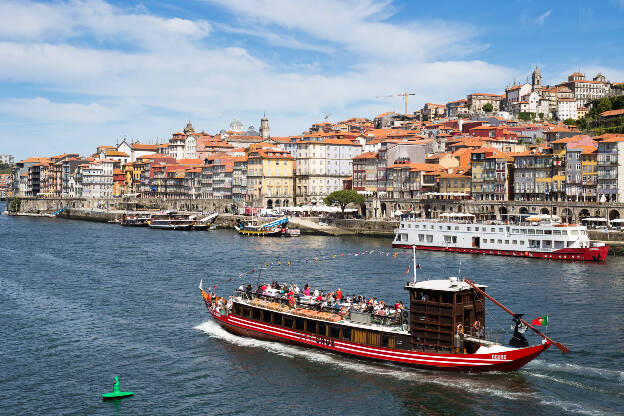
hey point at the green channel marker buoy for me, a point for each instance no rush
(116, 394)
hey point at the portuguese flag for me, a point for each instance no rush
(540, 320)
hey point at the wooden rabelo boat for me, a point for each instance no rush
(444, 328)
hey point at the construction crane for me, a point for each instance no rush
(404, 95)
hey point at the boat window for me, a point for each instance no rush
(514, 242)
(429, 238)
(539, 232)
(514, 231)
(521, 242)
(402, 225)
(322, 329)
(299, 324)
(500, 230)
(277, 318)
(441, 227)
(388, 341)
(493, 230)
(288, 322)
(311, 327)
(500, 241)
(559, 244)
(531, 231)
(506, 241)
(457, 228)
(346, 334)
(546, 243)
(421, 237)
(247, 312)
(574, 232)
(266, 316)
(556, 232)
(549, 232)
(523, 230)
(256, 314)
(476, 228)
(334, 332)
(534, 243)
(448, 227)
(492, 240)
(416, 226)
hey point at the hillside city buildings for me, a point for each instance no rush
(474, 148)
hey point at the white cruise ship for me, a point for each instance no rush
(535, 239)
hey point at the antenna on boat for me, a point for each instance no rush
(414, 261)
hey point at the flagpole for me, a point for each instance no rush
(414, 261)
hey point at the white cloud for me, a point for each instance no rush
(146, 74)
(542, 17)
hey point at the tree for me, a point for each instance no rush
(604, 105)
(6, 168)
(16, 205)
(569, 122)
(488, 107)
(343, 198)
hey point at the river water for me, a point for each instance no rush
(82, 302)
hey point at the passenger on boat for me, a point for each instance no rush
(339, 295)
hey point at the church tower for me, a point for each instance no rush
(265, 132)
(188, 130)
(536, 81)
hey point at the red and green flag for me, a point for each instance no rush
(540, 320)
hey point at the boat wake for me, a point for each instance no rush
(507, 386)
(485, 384)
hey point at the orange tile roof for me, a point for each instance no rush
(612, 113)
(366, 155)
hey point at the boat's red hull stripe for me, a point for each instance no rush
(361, 349)
(579, 254)
(440, 360)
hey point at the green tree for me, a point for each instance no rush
(343, 198)
(16, 205)
(488, 107)
(526, 116)
(6, 168)
(604, 105)
(569, 122)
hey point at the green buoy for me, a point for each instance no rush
(116, 394)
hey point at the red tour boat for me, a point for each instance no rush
(444, 328)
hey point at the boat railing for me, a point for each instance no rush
(348, 314)
(488, 335)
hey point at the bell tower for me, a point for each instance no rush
(265, 131)
(536, 80)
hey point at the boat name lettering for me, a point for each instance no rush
(499, 357)
(317, 339)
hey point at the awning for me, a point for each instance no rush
(455, 214)
(618, 220)
(594, 219)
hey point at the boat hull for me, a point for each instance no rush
(572, 254)
(504, 361)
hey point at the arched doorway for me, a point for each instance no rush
(614, 214)
(583, 214)
(524, 211)
(383, 209)
(363, 209)
(277, 203)
(270, 204)
(544, 211)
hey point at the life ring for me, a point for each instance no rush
(291, 301)
(460, 329)
(476, 325)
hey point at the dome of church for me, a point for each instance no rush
(236, 125)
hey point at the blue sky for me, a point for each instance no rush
(76, 74)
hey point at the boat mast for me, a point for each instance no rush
(414, 261)
(559, 345)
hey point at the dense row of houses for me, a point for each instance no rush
(394, 156)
